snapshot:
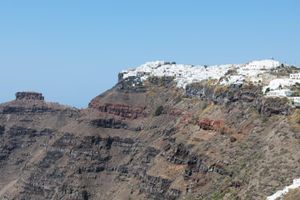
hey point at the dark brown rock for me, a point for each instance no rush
(269, 106)
(29, 96)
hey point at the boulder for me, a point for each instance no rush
(214, 125)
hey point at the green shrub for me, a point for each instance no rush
(158, 110)
(204, 105)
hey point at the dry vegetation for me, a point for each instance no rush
(292, 195)
(295, 120)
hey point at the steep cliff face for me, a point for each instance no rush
(150, 139)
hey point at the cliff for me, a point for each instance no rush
(164, 131)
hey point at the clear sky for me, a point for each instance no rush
(72, 50)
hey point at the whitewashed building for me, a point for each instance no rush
(296, 101)
(280, 93)
(295, 76)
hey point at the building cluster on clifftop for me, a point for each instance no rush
(266, 73)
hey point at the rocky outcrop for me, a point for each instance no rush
(208, 124)
(88, 156)
(17, 131)
(7, 109)
(16, 138)
(165, 81)
(181, 154)
(99, 152)
(278, 106)
(32, 102)
(121, 110)
(244, 95)
(156, 187)
(136, 84)
(109, 123)
(29, 96)
(131, 84)
(222, 94)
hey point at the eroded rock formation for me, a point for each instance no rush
(29, 96)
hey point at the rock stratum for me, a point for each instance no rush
(164, 131)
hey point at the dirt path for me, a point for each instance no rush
(7, 187)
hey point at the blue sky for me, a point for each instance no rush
(72, 50)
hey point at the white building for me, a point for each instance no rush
(280, 93)
(296, 101)
(295, 76)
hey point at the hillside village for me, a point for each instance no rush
(277, 79)
(282, 88)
